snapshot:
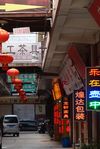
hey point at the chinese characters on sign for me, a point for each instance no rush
(24, 48)
(69, 76)
(79, 105)
(65, 108)
(30, 83)
(93, 88)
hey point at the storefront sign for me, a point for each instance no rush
(28, 88)
(94, 10)
(25, 77)
(65, 108)
(69, 76)
(93, 88)
(56, 90)
(24, 49)
(79, 105)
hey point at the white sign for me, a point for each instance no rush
(29, 38)
(40, 109)
(21, 30)
(69, 77)
(23, 50)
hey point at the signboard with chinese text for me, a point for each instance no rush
(69, 76)
(24, 49)
(30, 83)
(94, 9)
(93, 88)
(79, 105)
(28, 88)
(65, 108)
(26, 78)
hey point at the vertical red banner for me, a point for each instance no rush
(77, 60)
(94, 10)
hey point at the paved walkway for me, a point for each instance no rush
(31, 141)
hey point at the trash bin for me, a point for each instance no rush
(66, 142)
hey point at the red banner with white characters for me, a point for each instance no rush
(94, 9)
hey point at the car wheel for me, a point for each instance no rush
(17, 134)
(14, 134)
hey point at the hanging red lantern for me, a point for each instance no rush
(18, 87)
(5, 59)
(4, 35)
(17, 81)
(21, 92)
(18, 84)
(13, 73)
(23, 98)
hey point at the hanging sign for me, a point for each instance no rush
(57, 90)
(94, 10)
(69, 76)
(93, 88)
(25, 49)
(65, 108)
(79, 105)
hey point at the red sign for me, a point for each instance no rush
(77, 60)
(65, 108)
(79, 105)
(94, 9)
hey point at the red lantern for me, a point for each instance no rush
(18, 87)
(4, 35)
(17, 81)
(21, 92)
(18, 84)
(13, 73)
(5, 59)
(23, 98)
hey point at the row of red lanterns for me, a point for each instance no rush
(17, 83)
(13, 73)
(5, 58)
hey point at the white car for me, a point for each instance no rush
(10, 125)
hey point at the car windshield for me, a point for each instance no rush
(11, 120)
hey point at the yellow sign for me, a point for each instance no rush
(57, 91)
(16, 7)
